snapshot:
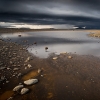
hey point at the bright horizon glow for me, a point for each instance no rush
(23, 25)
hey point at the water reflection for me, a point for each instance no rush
(57, 41)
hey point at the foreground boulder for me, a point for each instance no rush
(17, 88)
(31, 81)
(24, 91)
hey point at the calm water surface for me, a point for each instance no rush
(57, 41)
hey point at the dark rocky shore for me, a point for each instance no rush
(60, 77)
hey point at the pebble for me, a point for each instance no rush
(20, 83)
(31, 81)
(24, 90)
(7, 81)
(19, 74)
(10, 98)
(28, 59)
(8, 68)
(54, 58)
(17, 88)
(2, 68)
(29, 66)
(41, 75)
(69, 57)
(39, 70)
(25, 67)
(11, 62)
(2, 78)
(15, 69)
(13, 75)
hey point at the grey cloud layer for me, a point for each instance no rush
(73, 12)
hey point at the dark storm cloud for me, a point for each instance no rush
(50, 12)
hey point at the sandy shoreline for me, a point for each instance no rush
(15, 30)
(94, 33)
(63, 78)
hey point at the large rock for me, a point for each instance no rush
(17, 88)
(24, 90)
(31, 81)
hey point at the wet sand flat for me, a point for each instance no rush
(61, 77)
(73, 78)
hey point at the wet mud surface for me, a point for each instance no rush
(75, 78)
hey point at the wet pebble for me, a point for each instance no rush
(39, 70)
(24, 90)
(17, 88)
(15, 69)
(31, 81)
(29, 66)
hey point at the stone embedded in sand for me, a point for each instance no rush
(20, 83)
(19, 74)
(11, 62)
(24, 90)
(41, 75)
(2, 78)
(15, 69)
(28, 59)
(25, 67)
(29, 66)
(1, 64)
(54, 58)
(31, 81)
(17, 88)
(2, 68)
(63, 53)
(46, 48)
(7, 81)
(19, 35)
(10, 98)
(8, 68)
(14, 53)
(70, 57)
(39, 70)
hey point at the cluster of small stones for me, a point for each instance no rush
(21, 89)
(12, 58)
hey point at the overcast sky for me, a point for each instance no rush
(50, 13)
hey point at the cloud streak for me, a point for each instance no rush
(53, 12)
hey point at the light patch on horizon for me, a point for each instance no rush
(22, 25)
